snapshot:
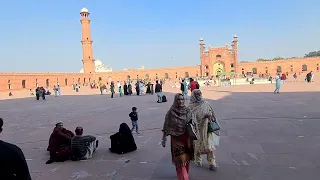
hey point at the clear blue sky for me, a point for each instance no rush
(44, 36)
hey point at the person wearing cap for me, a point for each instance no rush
(13, 164)
(59, 144)
(83, 147)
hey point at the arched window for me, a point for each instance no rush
(186, 74)
(279, 69)
(267, 70)
(79, 81)
(317, 67)
(254, 70)
(23, 84)
(157, 76)
(128, 77)
(206, 74)
(66, 82)
(100, 78)
(291, 68)
(37, 83)
(218, 56)
(89, 80)
(176, 75)
(206, 67)
(9, 84)
(304, 67)
(166, 75)
(146, 76)
(47, 83)
(231, 65)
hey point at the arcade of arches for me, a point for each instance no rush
(16, 81)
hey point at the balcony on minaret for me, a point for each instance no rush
(84, 13)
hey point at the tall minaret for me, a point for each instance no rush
(234, 45)
(202, 49)
(87, 53)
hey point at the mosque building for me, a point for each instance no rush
(213, 61)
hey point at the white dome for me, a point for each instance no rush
(99, 67)
(97, 62)
(84, 10)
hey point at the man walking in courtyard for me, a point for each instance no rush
(158, 91)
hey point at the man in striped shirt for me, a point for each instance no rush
(83, 146)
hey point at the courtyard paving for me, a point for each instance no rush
(264, 136)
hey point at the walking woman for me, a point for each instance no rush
(278, 84)
(112, 89)
(181, 145)
(203, 114)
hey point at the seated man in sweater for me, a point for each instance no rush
(83, 147)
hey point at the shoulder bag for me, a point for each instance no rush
(191, 128)
(213, 125)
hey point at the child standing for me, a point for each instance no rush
(120, 91)
(134, 119)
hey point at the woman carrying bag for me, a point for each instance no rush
(207, 129)
(177, 119)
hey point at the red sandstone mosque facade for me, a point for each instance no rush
(213, 62)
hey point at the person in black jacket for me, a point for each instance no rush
(13, 165)
(158, 91)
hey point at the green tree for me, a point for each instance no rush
(261, 59)
(312, 54)
(277, 58)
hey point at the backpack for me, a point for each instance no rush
(164, 98)
(197, 86)
(182, 87)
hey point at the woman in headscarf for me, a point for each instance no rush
(112, 89)
(59, 144)
(125, 88)
(148, 88)
(278, 84)
(129, 88)
(203, 113)
(123, 142)
(175, 125)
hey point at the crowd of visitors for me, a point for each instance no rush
(65, 145)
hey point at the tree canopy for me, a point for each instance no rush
(310, 54)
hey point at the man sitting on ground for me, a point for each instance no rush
(83, 147)
(13, 164)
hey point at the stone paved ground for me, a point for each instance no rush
(264, 136)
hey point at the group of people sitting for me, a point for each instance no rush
(65, 145)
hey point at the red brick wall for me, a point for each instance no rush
(67, 79)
